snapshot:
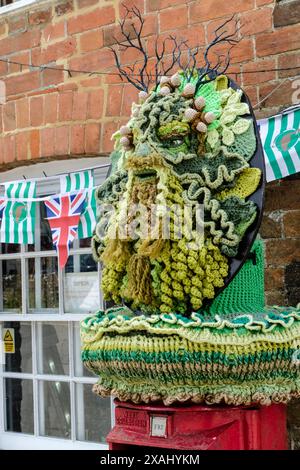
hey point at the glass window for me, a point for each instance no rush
(11, 285)
(19, 405)
(55, 413)
(53, 348)
(21, 359)
(93, 423)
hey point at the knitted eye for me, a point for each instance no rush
(176, 142)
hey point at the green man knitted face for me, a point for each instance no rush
(180, 149)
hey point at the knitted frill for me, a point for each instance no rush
(202, 359)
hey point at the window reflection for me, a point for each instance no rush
(19, 405)
(21, 359)
(11, 285)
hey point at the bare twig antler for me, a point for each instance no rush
(209, 72)
(139, 74)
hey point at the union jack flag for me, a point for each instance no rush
(63, 215)
(2, 206)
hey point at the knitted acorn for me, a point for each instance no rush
(201, 127)
(190, 114)
(125, 130)
(199, 103)
(125, 142)
(165, 90)
(209, 117)
(164, 80)
(143, 95)
(189, 90)
(175, 80)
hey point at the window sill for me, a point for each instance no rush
(17, 6)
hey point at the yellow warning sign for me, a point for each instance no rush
(9, 340)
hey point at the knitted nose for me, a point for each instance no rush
(142, 150)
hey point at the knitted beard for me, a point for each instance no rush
(178, 150)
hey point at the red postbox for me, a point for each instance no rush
(193, 427)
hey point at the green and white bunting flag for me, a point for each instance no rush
(280, 137)
(75, 182)
(18, 219)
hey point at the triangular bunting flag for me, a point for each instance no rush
(78, 181)
(280, 137)
(63, 215)
(18, 219)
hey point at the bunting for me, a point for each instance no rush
(79, 181)
(280, 136)
(18, 216)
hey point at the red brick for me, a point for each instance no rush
(92, 81)
(22, 83)
(54, 52)
(173, 19)
(37, 111)
(22, 113)
(51, 108)
(263, 2)
(93, 61)
(154, 5)
(91, 20)
(22, 141)
(130, 95)
(291, 222)
(279, 97)
(16, 23)
(211, 9)
(91, 41)
(284, 195)
(276, 298)
(47, 142)
(109, 128)
(77, 140)
(95, 104)
(23, 58)
(80, 100)
(140, 4)
(62, 140)
(114, 100)
(2, 28)
(111, 33)
(54, 31)
(64, 8)
(86, 3)
(257, 66)
(9, 149)
(52, 77)
(243, 51)
(251, 92)
(40, 17)
(282, 252)
(271, 227)
(92, 138)
(280, 40)
(288, 61)
(20, 42)
(65, 106)
(3, 68)
(212, 26)
(35, 145)
(256, 21)
(9, 116)
(274, 278)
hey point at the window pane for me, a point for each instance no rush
(53, 348)
(55, 415)
(80, 370)
(46, 236)
(10, 248)
(85, 242)
(81, 285)
(21, 359)
(19, 405)
(11, 285)
(43, 283)
(94, 421)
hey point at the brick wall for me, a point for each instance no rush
(50, 114)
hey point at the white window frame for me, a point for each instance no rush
(14, 440)
(19, 4)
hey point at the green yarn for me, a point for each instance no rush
(245, 293)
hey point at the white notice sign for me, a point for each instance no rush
(81, 292)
